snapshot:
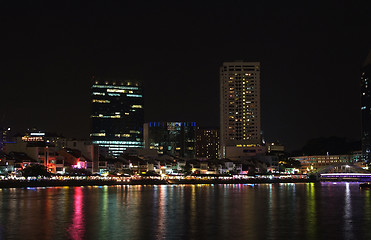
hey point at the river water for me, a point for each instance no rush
(239, 211)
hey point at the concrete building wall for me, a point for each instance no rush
(240, 153)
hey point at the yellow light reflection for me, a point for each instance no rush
(311, 212)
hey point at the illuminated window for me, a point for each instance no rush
(116, 91)
(98, 134)
(103, 116)
(99, 93)
(114, 87)
(136, 106)
(100, 101)
(133, 95)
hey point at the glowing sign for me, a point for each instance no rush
(32, 139)
(37, 134)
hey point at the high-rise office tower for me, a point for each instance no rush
(366, 108)
(171, 138)
(117, 115)
(239, 105)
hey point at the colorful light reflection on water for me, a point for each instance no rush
(265, 211)
(77, 227)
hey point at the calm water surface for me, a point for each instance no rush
(266, 211)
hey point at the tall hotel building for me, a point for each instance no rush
(366, 108)
(117, 115)
(239, 108)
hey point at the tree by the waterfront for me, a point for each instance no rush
(187, 169)
(35, 171)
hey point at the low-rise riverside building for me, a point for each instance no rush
(75, 159)
(90, 152)
(6, 163)
(43, 153)
(51, 150)
(215, 166)
(20, 160)
(310, 163)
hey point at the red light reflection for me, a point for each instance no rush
(77, 229)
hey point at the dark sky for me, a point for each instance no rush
(310, 54)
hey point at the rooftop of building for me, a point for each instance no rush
(209, 128)
(115, 81)
(240, 62)
(39, 134)
(39, 144)
(174, 123)
(74, 152)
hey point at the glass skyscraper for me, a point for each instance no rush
(117, 115)
(171, 138)
(366, 108)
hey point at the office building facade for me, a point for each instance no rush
(239, 106)
(117, 115)
(207, 143)
(171, 138)
(4, 137)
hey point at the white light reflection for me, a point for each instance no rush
(162, 201)
(348, 225)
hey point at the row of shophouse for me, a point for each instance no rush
(54, 152)
(58, 161)
(170, 166)
(58, 154)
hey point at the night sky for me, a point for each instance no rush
(310, 53)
